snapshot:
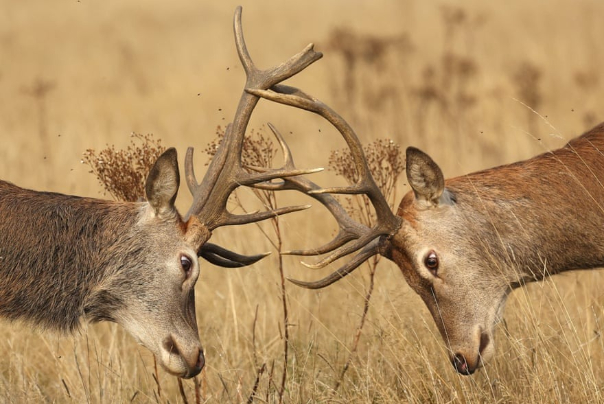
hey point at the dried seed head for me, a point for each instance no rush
(123, 173)
(258, 149)
(385, 162)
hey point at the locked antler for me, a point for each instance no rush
(225, 172)
(352, 236)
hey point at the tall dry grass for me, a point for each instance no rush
(473, 83)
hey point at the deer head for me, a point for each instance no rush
(177, 348)
(158, 307)
(403, 238)
(447, 257)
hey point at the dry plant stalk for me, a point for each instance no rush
(445, 86)
(385, 162)
(259, 151)
(253, 394)
(181, 390)
(526, 79)
(123, 173)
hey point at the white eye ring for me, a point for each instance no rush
(186, 264)
(431, 262)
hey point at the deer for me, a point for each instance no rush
(65, 260)
(465, 243)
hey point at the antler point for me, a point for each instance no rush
(311, 266)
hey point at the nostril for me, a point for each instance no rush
(170, 346)
(201, 361)
(460, 364)
(484, 342)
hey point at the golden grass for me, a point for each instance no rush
(459, 81)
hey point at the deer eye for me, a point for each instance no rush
(431, 262)
(186, 264)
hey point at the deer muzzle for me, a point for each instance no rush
(182, 359)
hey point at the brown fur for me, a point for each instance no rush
(47, 240)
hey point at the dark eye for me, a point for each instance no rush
(431, 262)
(186, 264)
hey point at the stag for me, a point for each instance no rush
(465, 243)
(67, 259)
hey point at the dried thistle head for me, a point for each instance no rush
(123, 173)
(385, 162)
(258, 149)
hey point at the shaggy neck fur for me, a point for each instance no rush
(55, 253)
(544, 215)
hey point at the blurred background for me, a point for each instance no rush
(474, 84)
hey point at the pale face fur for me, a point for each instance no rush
(466, 293)
(159, 307)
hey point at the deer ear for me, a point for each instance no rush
(162, 183)
(424, 176)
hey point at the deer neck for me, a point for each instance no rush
(544, 215)
(56, 249)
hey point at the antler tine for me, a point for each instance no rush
(294, 97)
(287, 153)
(288, 165)
(342, 244)
(369, 251)
(351, 237)
(192, 183)
(244, 55)
(225, 172)
(226, 258)
(349, 229)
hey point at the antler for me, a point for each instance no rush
(225, 172)
(352, 236)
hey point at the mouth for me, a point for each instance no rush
(461, 365)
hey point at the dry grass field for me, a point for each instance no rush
(475, 84)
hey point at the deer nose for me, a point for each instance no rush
(191, 357)
(195, 368)
(461, 365)
(201, 361)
